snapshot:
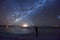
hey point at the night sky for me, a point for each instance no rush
(32, 12)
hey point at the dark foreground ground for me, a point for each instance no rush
(43, 34)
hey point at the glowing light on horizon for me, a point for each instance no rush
(25, 25)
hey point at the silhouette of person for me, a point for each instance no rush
(36, 31)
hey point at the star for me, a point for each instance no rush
(58, 17)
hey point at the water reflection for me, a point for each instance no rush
(18, 30)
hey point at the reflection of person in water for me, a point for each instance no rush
(36, 31)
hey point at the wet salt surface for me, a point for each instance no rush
(43, 34)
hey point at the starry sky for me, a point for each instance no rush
(32, 12)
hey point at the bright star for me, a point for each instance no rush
(58, 17)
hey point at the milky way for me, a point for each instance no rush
(21, 11)
(18, 13)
